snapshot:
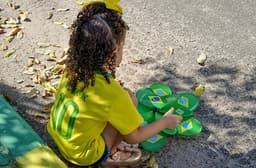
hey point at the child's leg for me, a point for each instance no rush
(121, 153)
(112, 137)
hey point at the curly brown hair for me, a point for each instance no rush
(96, 33)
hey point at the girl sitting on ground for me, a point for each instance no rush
(94, 119)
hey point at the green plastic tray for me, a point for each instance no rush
(16, 135)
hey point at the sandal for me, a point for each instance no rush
(133, 156)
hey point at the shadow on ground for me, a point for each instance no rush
(214, 155)
(226, 87)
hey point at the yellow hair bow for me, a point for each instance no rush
(110, 4)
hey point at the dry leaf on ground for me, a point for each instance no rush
(62, 60)
(47, 107)
(14, 31)
(137, 61)
(171, 50)
(3, 47)
(2, 31)
(29, 71)
(24, 16)
(9, 38)
(43, 45)
(12, 21)
(63, 10)
(50, 15)
(49, 86)
(20, 34)
(13, 5)
(52, 54)
(20, 81)
(9, 53)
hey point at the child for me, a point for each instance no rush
(93, 119)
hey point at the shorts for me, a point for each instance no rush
(103, 158)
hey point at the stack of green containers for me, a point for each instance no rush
(155, 101)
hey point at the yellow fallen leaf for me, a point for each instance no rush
(58, 23)
(13, 5)
(63, 10)
(3, 20)
(58, 69)
(14, 31)
(152, 161)
(50, 15)
(20, 34)
(52, 54)
(47, 107)
(12, 21)
(43, 45)
(40, 78)
(171, 50)
(62, 60)
(49, 86)
(20, 81)
(3, 47)
(9, 25)
(65, 26)
(24, 16)
(56, 45)
(137, 61)
(30, 62)
(37, 61)
(9, 38)
(9, 53)
(199, 90)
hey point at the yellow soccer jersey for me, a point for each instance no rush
(78, 119)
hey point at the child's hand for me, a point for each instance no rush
(172, 120)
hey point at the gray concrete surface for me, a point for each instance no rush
(225, 30)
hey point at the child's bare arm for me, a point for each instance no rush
(142, 133)
(133, 97)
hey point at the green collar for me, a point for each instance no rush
(100, 72)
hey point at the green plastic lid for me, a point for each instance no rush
(154, 143)
(161, 89)
(189, 127)
(146, 113)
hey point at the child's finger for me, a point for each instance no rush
(169, 112)
(179, 117)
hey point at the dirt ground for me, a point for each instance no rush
(225, 31)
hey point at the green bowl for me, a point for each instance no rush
(154, 143)
(189, 127)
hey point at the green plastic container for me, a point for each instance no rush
(20, 145)
(15, 133)
(146, 113)
(189, 127)
(161, 89)
(155, 101)
(154, 143)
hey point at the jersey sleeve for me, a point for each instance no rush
(123, 114)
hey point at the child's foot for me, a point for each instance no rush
(125, 155)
